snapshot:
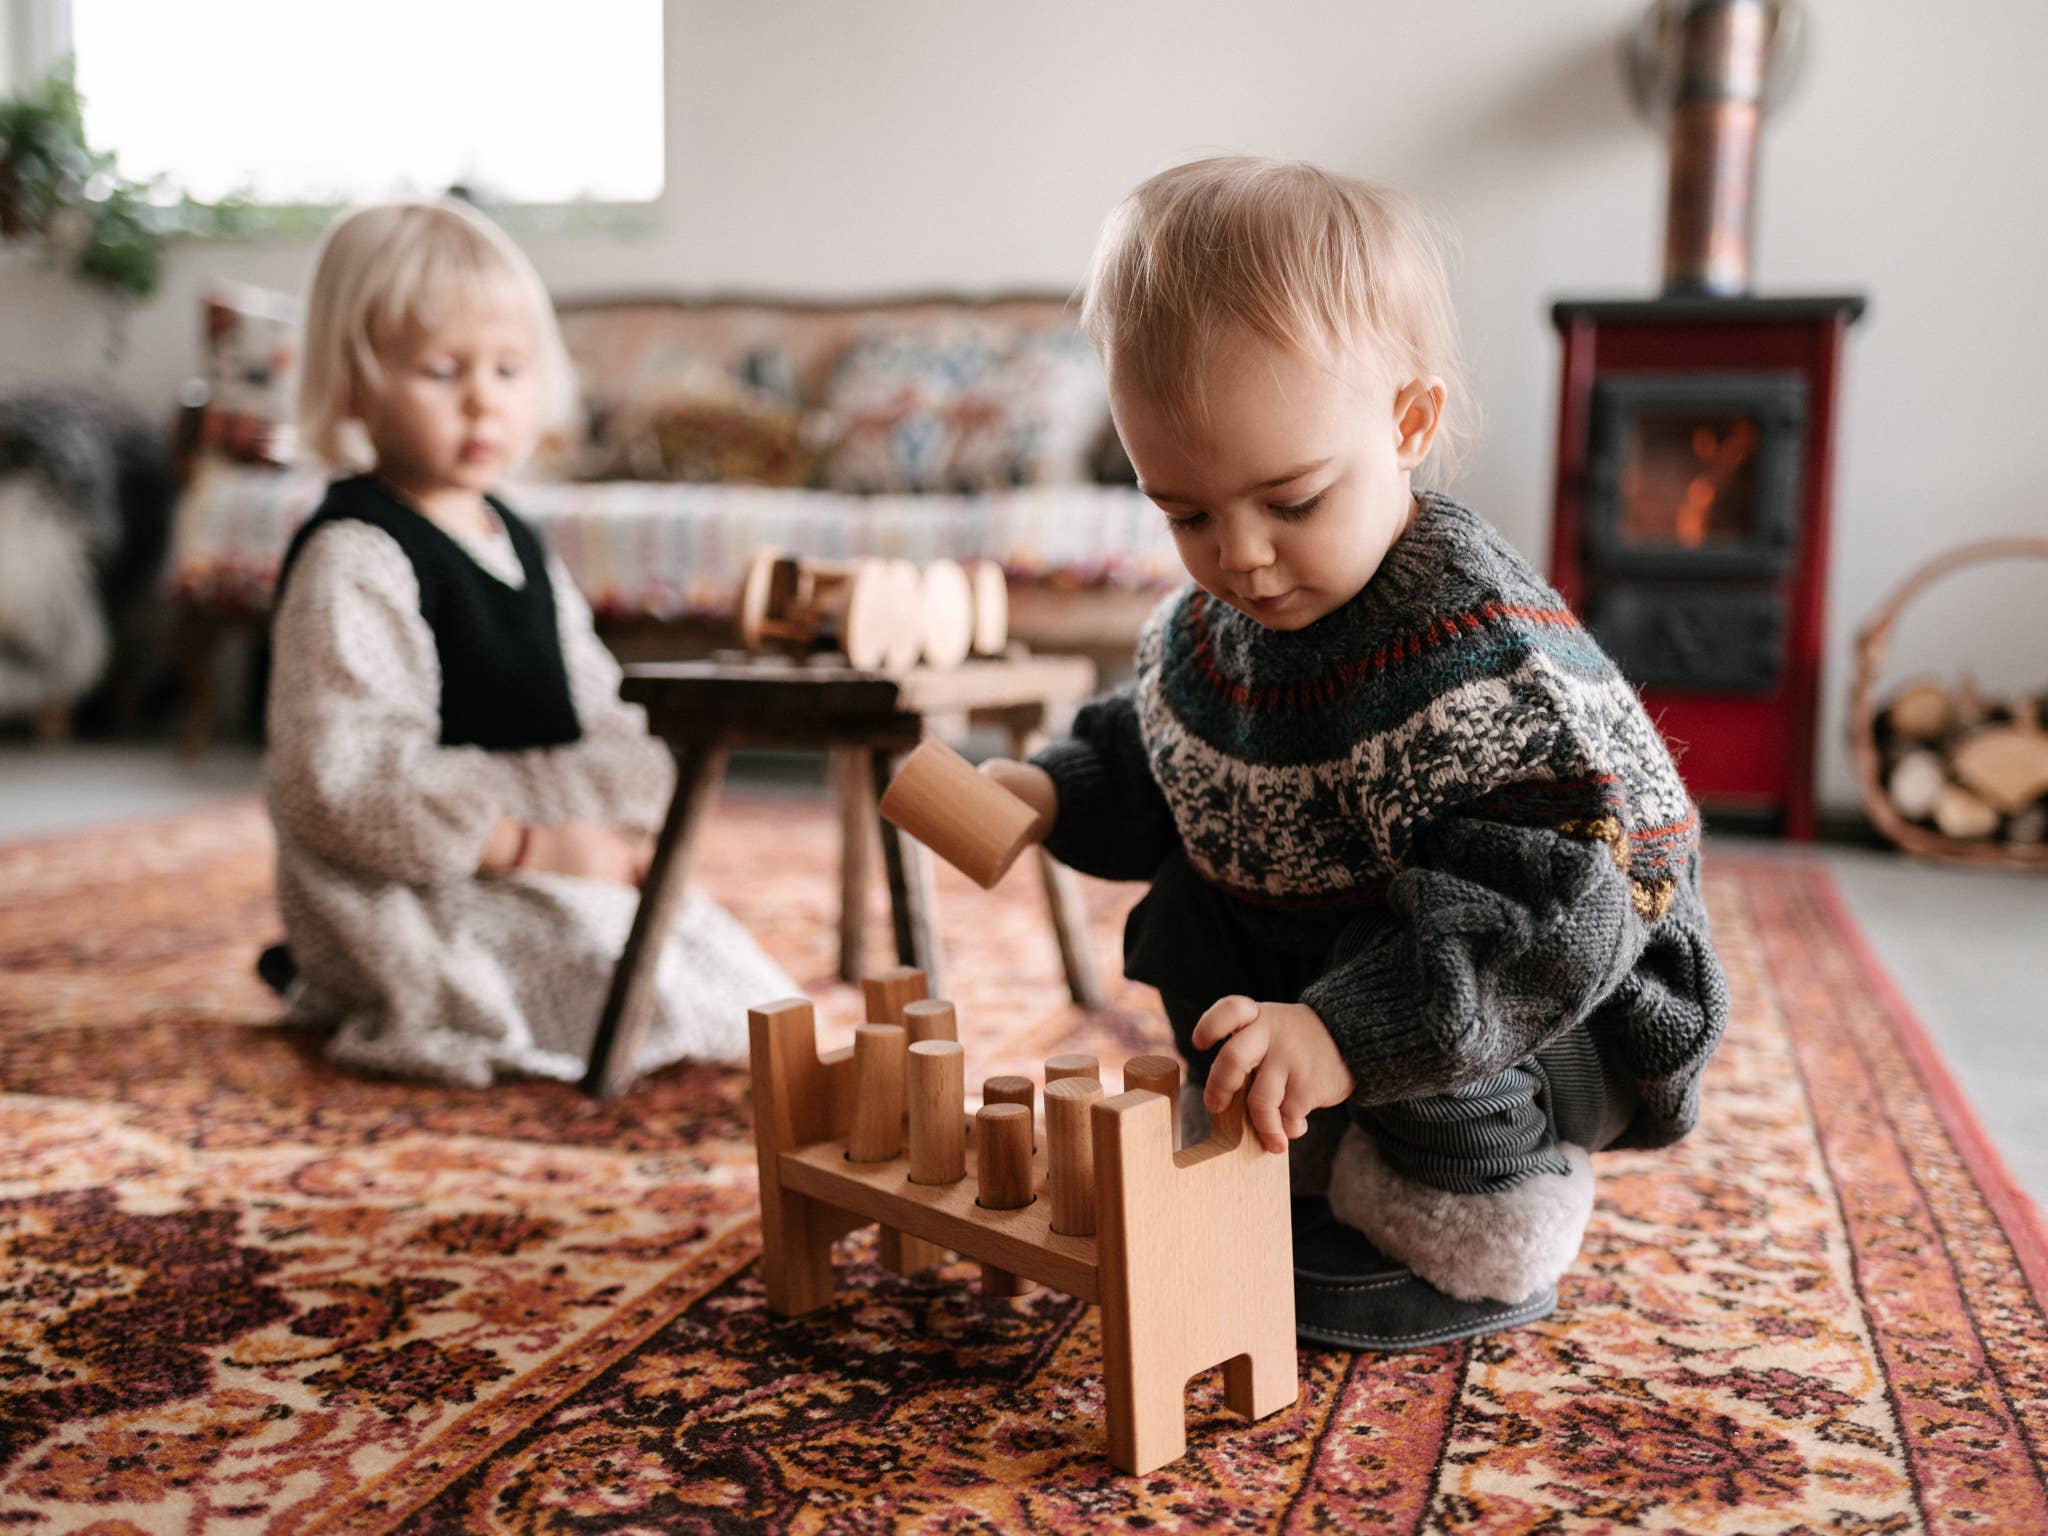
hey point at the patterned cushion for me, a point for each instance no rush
(727, 433)
(964, 410)
(678, 414)
(252, 358)
(1036, 415)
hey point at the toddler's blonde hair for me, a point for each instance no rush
(386, 270)
(1302, 257)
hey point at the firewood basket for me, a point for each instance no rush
(1872, 640)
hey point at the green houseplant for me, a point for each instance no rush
(60, 193)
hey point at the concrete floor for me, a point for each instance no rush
(1967, 948)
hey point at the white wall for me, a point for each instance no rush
(821, 147)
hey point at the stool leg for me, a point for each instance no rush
(1063, 899)
(853, 779)
(195, 640)
(52, 724)
(913, 896)
(699, 769)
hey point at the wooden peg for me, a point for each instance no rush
(1002, 1156)
(1160, 1075)
(1077, 1065)
(1010, 1090)
(1002, 1169)
(879, 1058)
(931, 1018)
(938, 1124)
(963, 816)
(1070, 1160)
(1013, 1090)
(886, 993)
(880, 1062)
(904, 1254)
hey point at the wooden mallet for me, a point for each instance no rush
(963, 816)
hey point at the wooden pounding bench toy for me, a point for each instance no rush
(1188, 1253)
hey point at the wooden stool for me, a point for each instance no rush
(868, 721)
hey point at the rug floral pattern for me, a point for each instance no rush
(243, 1291)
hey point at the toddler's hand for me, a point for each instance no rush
(1031, 784)
(1287, 1054)
(591, 851)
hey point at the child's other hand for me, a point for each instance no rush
(1031, 784)
(642, 844)
(593, 852)
(1286, 1053)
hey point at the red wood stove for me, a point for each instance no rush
(1694, 465)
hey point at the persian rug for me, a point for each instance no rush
(242, 1290)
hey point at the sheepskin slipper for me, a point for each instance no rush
(1507, 1246)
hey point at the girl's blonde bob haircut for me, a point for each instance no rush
(388, 273)
(1322, 264)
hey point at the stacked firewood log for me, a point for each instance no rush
(1973, 768)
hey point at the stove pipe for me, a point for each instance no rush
(1712, 66)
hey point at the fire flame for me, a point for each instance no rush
(1717, 454)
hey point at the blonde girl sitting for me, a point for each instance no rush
(463, 805)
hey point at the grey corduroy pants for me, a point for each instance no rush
(1486, 1135)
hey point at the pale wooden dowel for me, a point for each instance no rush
(1013, 1090)
(1002, 1167)
(931, 1018)
(1070, 1158)
(991, 607)
(962, 815)
(1160, 1075)
(948, 633)
(904, 1254)
(879, 1054)
(938, 1124)
(886, 993)
(1075, 1065)
(906, 613)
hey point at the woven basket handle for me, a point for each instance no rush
(1874, 637)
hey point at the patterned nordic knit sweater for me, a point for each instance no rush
(1443, 788)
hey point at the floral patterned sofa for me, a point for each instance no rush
(925, 427)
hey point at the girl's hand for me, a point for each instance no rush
(1287, 1054)
(1031, 784)
(593, 852)
(642, 844)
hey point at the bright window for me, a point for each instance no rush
(520, 101)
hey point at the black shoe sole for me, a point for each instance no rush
(1339, 1312)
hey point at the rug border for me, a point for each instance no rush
(2018, 1216)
